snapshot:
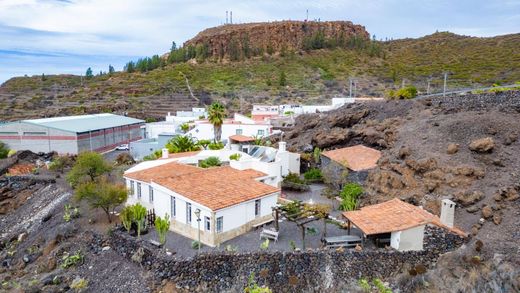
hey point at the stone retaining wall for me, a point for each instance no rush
(309, 271)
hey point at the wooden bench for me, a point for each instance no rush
(269, 234)
(268, 221)
(348, 241)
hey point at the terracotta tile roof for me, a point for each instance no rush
(218, 188)
(356, 158)
(393, 215)
(165, 170)
(241, 138)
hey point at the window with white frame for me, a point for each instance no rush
(132, 189)
(138, 190)
(188, 212)
(260, 132)
(207, 223)
(238, 131)
(150, 194)
(258, 204)
(173, 207)
(220, 224)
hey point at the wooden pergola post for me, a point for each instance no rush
(276, 224)
(324, 227)
(303, 237)
(348, 227)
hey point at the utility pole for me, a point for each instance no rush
(350, 88)
(227, 17)
(307, 17)
(428, 86)
(231, 17)
(445, 80)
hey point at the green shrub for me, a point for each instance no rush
(365, 286)
(204, 143)
(292, 244)
(313, 174)
(408, 92)
(381, 288)
(235, 157)
(70, 213)
(252, 286)
(4, 150)
(139, 213)
(195, 244)
(127, 217)
(11, 153)
(216, 145)
(265, 245)
(69, 260)
(210, 162)
(162, 226)
(293, 178)
(349, 195)
(59, 163)
(317, 155)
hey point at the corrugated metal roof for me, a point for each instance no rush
(85, 123)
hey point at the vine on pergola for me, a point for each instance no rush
(302, 214)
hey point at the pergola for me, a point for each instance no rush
(302, 215)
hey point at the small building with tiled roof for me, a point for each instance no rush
(349, 164)
(399, 222)
(228, 201)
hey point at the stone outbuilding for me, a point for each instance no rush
(350, 164)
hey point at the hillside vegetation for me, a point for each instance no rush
(311, 76)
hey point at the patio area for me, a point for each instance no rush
(314, 195)
(251, 241)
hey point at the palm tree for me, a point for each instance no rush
(181, 144)
(216, 115)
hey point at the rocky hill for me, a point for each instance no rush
(315, 60)
(273, 36)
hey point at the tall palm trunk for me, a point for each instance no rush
(217, 131)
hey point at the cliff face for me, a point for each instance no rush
(256, 38)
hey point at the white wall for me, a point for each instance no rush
(238, 215)
(204, 130)
(132, 197)
(410, 239)
(154, 129)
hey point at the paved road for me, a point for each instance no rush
(112, 155)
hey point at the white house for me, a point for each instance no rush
(229, 201)
(187, 116)
(399, 222)
(240, 124)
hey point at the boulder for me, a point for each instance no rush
(404, 152)
(483, 145)
(468, 198)
(510, 138)
(452, 148)
(331, 137)
(487, 212)
(497, 219)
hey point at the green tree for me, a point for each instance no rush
(130, 67)
(102, 194)
(89, 73)
(174, 46)
(111, 69)
(4, 150)
(282, 81)
(185, 127)
(162, 226)
(180, 144)
(216, 115)
(204, 143)
(88, 167)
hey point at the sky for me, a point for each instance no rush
(68, 36)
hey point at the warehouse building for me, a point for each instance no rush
(71, 134)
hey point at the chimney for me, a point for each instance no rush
(165, 153)
(447, 212)
(169, 114)
(282, 146)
